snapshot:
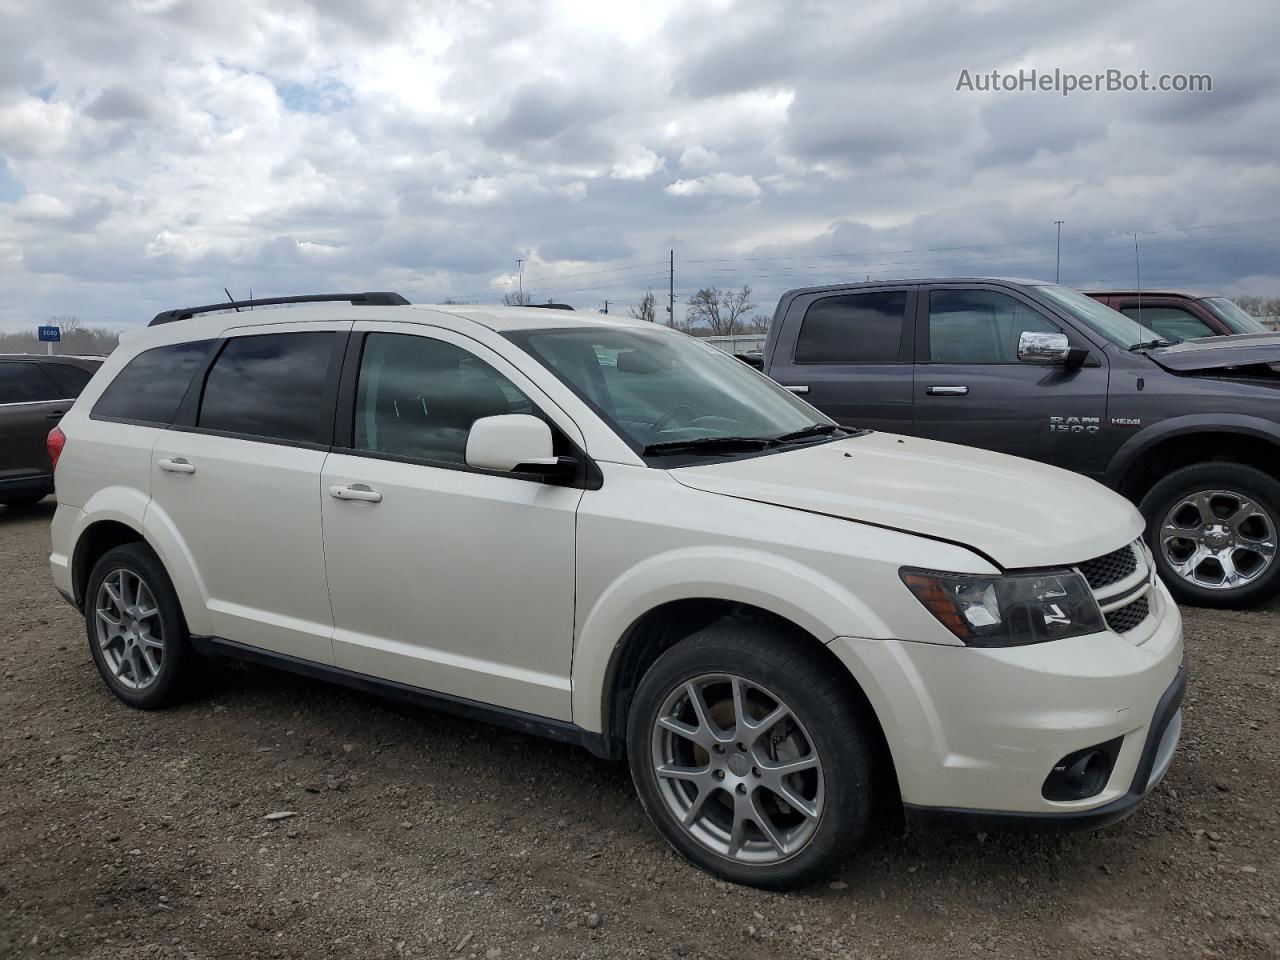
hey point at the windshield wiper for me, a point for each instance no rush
(813, 430)
(708, 445)
(1151, 344)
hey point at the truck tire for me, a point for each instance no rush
(1212, 528)
(750, 758)
(137, 634)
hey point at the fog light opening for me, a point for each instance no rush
(1082, 774)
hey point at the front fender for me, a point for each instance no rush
(801, 594)
(1214, 423)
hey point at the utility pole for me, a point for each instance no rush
(1057, 269)
(671, 291)
(520, 280)
(606, 306)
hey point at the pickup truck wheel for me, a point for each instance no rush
(749, 758)
(1213, 528)
(137, 634)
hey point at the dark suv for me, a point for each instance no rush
(34, 394)
(1180, 314)
(1189, 431)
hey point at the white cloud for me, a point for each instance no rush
(716, 184)
(635, 162)
(698, 158)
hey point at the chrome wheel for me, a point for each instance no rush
(737, 770)
(1218, 539)
(128, 629)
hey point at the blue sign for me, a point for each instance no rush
(50, 334)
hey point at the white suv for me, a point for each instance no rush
(611, 533)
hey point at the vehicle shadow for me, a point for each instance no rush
(28, 511)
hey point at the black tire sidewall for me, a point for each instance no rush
(140, 560)
(822, 706)
(1258, 486)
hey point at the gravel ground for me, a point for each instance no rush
(126, 834)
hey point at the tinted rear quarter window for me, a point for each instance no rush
(855, 328)
(69, 378)
(21, 381)
(151, 385)
(269, 386)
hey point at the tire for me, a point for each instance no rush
(1206, 501)
(825, 723)
(157, 675)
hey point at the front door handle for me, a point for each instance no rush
(176, 465)
(798, 388)
(357, 491)
(952, 390)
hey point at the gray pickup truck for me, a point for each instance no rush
(1189, 431)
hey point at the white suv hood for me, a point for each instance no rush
(1018, 512)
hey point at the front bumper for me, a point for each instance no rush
(973, 733)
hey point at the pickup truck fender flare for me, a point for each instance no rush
(1216, 423)
(133, 509)
(800, 594)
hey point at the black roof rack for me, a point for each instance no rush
(359, 299)
(550, 306)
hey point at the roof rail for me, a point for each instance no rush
(550, 306)
(358, 299)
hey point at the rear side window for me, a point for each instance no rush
(269, 386)
(70, 379)
(22, 382)
(858, 328)
(151, 385)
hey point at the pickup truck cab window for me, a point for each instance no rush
(980, 326)
(1172, 323)
(859, 328)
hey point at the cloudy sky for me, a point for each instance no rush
(154, 151)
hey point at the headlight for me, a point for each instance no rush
(1008, 611)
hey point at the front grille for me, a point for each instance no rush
(1112, 568)
(1123, 619)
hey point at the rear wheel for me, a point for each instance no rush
(137, 634)
(750, 758)
(1213, 528)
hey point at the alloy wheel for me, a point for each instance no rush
(737, 769)
(128, 629)
(1218, 539)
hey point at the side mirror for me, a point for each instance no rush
(515, 443)
(1050, 348)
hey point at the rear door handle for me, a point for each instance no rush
(798, 388)
(357, 491)
(55, 414)
(954, 390)
(176, 465)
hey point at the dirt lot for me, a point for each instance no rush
(126, 834)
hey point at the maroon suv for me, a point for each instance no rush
(1180, 314)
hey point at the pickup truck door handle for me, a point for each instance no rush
(797, 388)
(176, 465)
(955, 390)
(357, 491)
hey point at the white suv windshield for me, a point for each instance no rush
(1101, 319)
(667, 393)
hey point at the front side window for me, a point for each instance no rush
(152, 384)
(269, 386)
(418, 397)
(656, 387)
(1229, 312)
(856, 328)
(980, 326)
(23, 382)
(1172, 323)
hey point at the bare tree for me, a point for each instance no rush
(517, 299)
(759, 323)
(721, 311)
(76, 338)
(644, 310)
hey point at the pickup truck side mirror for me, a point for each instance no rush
(1049, 348)
(516, 443)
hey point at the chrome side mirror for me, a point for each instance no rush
(1050, 348)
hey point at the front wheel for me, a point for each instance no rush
(749, 757)
(1212, 528)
